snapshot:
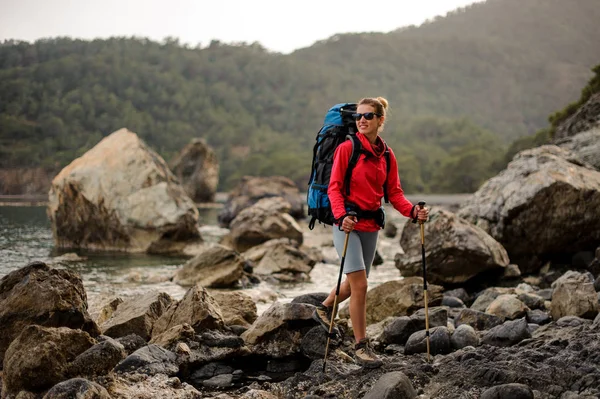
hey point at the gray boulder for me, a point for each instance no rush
(121, 196)
(534, 207)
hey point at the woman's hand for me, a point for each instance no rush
(422, 213)
(348, 223)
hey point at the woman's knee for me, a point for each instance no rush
(358, 283)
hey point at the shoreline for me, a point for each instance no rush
(221, 198)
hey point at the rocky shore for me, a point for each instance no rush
(513, 287)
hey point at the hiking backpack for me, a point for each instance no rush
(339, 125)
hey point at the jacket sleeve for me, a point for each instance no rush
(394, 189)
(341, 158)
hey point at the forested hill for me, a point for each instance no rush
(461, 88)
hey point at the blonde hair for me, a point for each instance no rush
(380, 104)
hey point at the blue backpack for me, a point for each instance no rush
(338, 126)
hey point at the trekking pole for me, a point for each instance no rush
(337, 293)
(422, 225)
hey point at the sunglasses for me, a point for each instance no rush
(368, 116)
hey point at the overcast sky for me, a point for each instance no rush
(279, 25)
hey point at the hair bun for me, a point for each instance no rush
(383, 102)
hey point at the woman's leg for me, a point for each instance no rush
(358, 303)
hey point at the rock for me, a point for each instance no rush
(137, 315)
(276, 332)
(282, 259)
(38, 294)
(197, 308)
(391, 386)
(455, 250)
(197, 169)
(134, 385)
(439, 342)
(574, 295)
(397, 298)
(40, 357)
(252, 189)
(478, 320)
(121, 196)
(79, 388)
(507, 307)
(237, 308)
(260, 223)
(507, 334)
(508, 391)
(464, 336)
(98, 360)
(216, 267)
(513, 206)
(149, 360)
(585, 118)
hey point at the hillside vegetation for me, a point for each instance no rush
(461, 89)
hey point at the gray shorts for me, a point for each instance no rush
(361, 249)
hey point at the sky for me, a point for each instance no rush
(279, 25)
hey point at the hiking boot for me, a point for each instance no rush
(365, 356)
(322, 314)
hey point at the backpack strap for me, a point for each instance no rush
(356, 151)
(388, 166)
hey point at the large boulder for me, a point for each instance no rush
(543, 205)
(455, 250)
(197, 169)
(585, 144)
(121, 196)
(251, 189)
(38, 294)
(585, 118)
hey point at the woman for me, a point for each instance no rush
(366, 191)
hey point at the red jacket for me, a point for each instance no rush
(366, 183)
